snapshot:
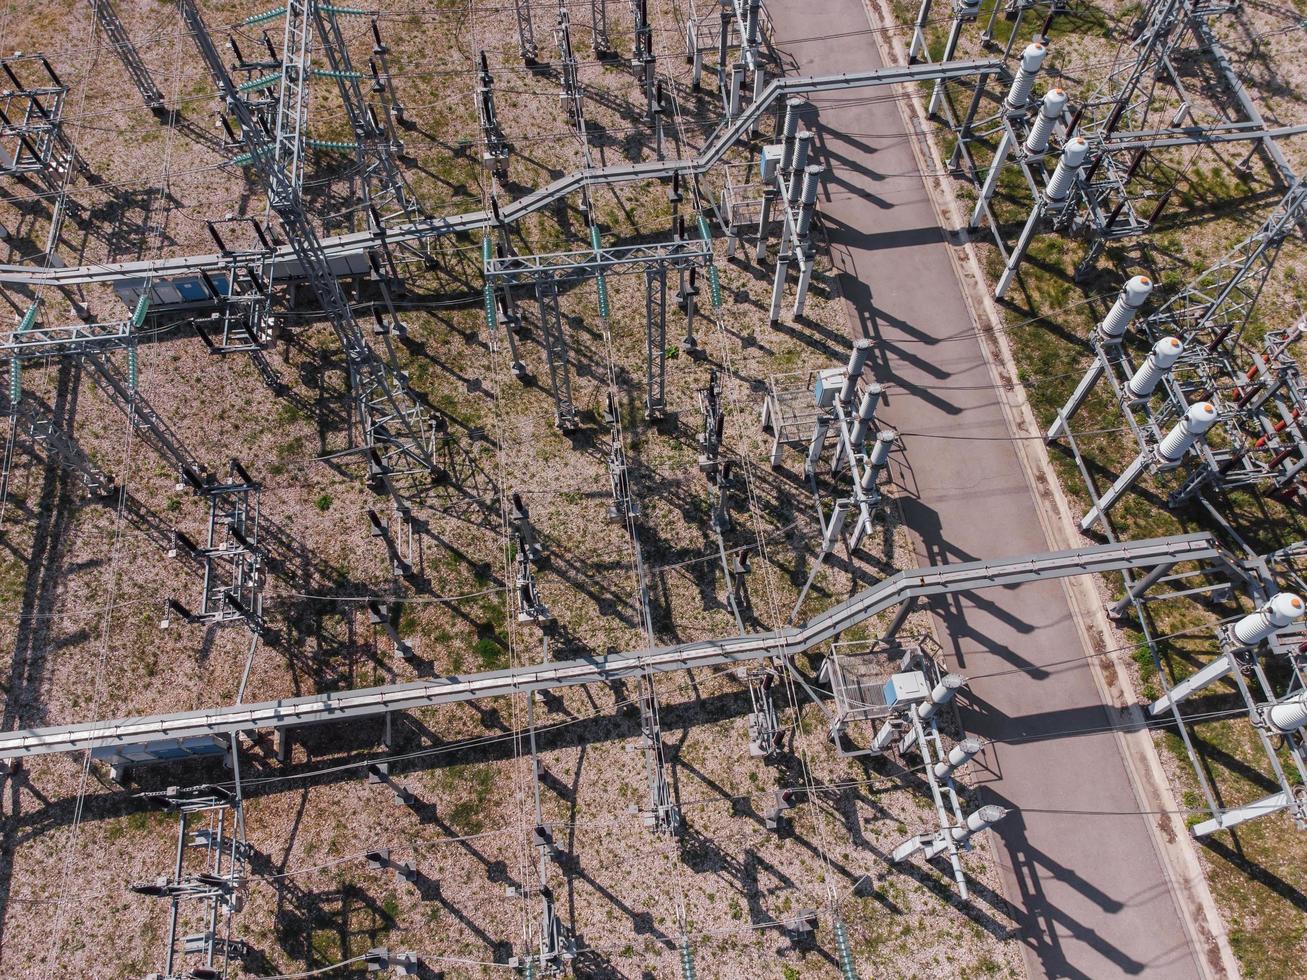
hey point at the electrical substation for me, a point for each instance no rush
(667, 488)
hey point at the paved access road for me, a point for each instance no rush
(1091, 894)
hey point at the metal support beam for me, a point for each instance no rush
(284, 260)
(341, 705)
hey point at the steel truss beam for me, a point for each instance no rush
(339, 706)
(285, 261)
(1220, 300)
(587, 263)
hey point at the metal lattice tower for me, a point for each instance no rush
(396, 427)
(231, 556)
(546, 272)
(32, 139)
(210, 871)
(291, 107)
(603, 45)
(107, 17)
(1127, 91)
(1219, 302)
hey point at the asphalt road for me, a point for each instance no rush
(1090, 891)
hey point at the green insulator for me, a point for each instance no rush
(315, 144)
(15, 381)
(343, 11)
(142, 308)
(487, 250)
(600, 282)
(714, 284)
(133, 369)
(714, 287)
(491, 317)
(264, 81)
(687, 961)
(29, 318)
(843, 953)
(266, 15)
(244, 160)
(328, 73)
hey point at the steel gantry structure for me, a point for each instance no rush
(397, 429)
(1200, 374)
(1140, 106)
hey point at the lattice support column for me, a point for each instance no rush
(557, 355)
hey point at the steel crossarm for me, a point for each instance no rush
(586, 263)
(76, 338)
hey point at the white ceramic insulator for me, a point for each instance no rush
(1279, 611)
(857, 362)
(884, 443)
(1031, 59)
(1289, 715)
(1196, 421)
(958, 756)
(1064, 177)
(981, 819)
(1160, 360)
(866, 413)
(1133, 295)
(942, 693)
(807, 207)
(1050, 112)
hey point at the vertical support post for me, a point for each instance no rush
(807, 255)
(655, 324)
(950, 46)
